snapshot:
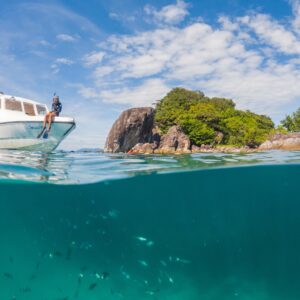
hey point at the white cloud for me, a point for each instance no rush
(93, 58)
(250, 59)
(122, 17)
(144, 94)
(64, 61)
(296, 11)
(45, 43)
(87, 93)
(66, 37)
(170, 14)
(273, 33)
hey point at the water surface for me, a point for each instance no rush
(166, 227)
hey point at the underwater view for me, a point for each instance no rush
(86, 225)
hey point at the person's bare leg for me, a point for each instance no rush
(50, 120)
(45, 121)
(44, 126)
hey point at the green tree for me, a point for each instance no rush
(292, 122)
(198, 131)
(246, 128)
(205, 119)
(173, 105)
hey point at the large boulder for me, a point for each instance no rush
(290, 141)
(147, 148)
(132, 127)
(174, 141)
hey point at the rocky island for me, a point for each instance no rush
(189, 122)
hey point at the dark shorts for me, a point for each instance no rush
(56, 113)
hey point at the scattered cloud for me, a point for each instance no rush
(250, 59)
(170, 14)
(87, 92)
(122, 17)
(144, 94)
(296, 13)
(93, 58)
(45, 43)
(64, 61)
(60, 61)
(272, 33)
(66, 37)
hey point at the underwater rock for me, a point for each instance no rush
(132, 127)
(290, 141)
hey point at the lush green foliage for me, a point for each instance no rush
(292, 122)
(205, 119)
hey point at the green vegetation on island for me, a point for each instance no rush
(211, 121)
(292, 122)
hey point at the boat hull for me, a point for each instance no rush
(23, 135)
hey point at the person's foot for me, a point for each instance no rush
(41, 133)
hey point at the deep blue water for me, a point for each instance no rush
(87, 225)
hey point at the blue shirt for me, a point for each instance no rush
(56, 107)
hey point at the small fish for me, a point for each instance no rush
(125, 275)
(11, 260)
(32, 277)
(112, 292)
(150, 293)
(37, 266)
(141, 238)
(92, 286)
(163, 263)
(114, 214)
(84, 268)
(150, 243)
(104, 275)
(57, 254)
(8, 275)
(143, 263)
(80, 276)
(182, 260)
(25, 290)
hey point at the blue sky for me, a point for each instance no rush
(104, 56)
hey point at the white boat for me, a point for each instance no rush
(21, 122)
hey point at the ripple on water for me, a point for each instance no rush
(86, 167)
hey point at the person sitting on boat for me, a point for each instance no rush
(56, 110)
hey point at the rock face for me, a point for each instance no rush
(174, 141)
(290, 141)
(147, 148)
(132, 127)
(134, 132)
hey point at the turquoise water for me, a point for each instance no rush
(86, 225)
